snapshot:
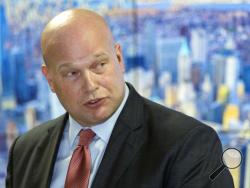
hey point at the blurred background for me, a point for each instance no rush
(192, 56)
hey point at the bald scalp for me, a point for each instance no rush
(68, 23)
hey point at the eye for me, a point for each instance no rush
(101, 64)
(99, 67)
(72, 74)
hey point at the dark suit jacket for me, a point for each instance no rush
(151, 146)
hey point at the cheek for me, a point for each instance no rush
(113, 85)
(116, 72)
(65, 91)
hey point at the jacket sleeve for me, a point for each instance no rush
(198, 156)
(9, 177)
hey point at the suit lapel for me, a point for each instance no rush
(47, 152)
(126, 139)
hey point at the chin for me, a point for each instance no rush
(103, 118)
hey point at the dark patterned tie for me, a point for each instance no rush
(80, 163)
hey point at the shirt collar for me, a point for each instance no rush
(102, 130)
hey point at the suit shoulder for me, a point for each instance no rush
(168, 123)
(35, 134)
(172, 117)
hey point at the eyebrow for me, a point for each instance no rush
(96, 56)
(65, 65)
(101, 56)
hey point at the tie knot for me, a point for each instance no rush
(86, 137)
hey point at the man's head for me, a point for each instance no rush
(83, 65)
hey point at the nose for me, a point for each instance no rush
(89, 83)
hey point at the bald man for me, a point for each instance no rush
(135, 142)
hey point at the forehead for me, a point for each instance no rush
(73, 44)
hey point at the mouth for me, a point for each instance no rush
(94, 103)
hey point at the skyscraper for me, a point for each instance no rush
(168, 51)
(184, 63)
(198, 45)
(3, 31)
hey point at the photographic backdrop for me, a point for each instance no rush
(191, 56)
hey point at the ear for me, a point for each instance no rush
(119, 56)
(47, 75)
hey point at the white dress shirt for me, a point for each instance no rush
(97, 147)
